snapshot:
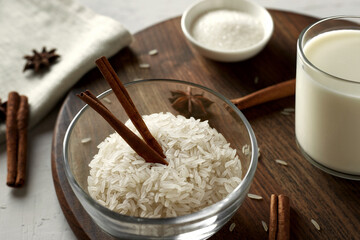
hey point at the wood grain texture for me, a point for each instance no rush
(331, 201)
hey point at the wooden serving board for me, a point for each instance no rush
(331, 201)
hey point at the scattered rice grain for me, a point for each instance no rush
(144, 65)
(153, 52)
(290, 110)
(232, 226)
(107, 100)
(254, 196)
(281, 162)
(259, 152)
(264, 226)
(256, 80)
(317, 226)
(85, 140)
(285, 113)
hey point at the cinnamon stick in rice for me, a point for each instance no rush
(22, 123)
(283, 218)
(88, 93)
(123, 96)
(273, 216)
(12, 137)
(136, 143)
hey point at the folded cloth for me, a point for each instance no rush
(79, 35)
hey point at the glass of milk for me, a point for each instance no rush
(327, 117)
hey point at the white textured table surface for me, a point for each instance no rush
(33, 212)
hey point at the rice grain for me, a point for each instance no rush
(246, 149)
(284, 113)
(290, 110)
(85, 140)
(232, 226)
(195, 178)
(317, 226)
(144, 65)
(265, 226)
(107, 100)
(153, 52)
(254, 196)
(281, 162)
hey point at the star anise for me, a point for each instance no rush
(190, 104)
(2, 111)
(40, 60)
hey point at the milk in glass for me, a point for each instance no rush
(328, 100)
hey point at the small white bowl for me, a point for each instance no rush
(198, 8)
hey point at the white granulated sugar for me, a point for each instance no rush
(227, 30)
(195, 178)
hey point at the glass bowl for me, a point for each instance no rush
(88, 129)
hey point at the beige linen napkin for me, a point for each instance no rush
(79, 35)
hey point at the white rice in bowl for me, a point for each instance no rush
(203, 169)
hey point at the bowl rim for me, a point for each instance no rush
(201, 214)
(260, 44)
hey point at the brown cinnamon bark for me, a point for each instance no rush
(273, 216)
(92, 96)
(12, 137)
(277, 91)
(123, 96)
(136, 143)
(22, 123)
(283, 218)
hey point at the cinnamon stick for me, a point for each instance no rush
(12, 137)
(279, 224)
(277, 91)
(123, 96)
(283, 232)
(92, 96)
(22, 122)
(139, 146)
(273, 216)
